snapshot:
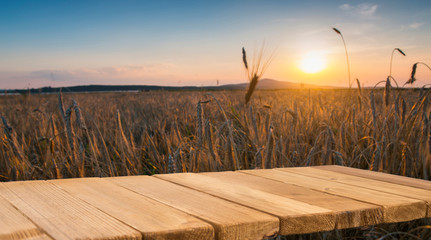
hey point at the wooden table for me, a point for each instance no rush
(249, 204)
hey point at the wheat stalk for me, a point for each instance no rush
(359, 87)
(120, 128)
(375, 161)
(79, 119)
(403, 111)
(61, 105)
(71, 137)
(229, 154)
(209, 141)
(176, 160)
(347, 55)
(392, 56)
(413, 73)
(244, 58)
(199, 119)
(11, 137)
(171, 165)
(269, 147)
(251, 87)
(254, 124)
(373, 110)
(69, 130)
(255, 73)
(7, 129)
(387, 91)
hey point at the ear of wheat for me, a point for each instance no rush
(336, 30)
(387, 91)
(254, 74)
(244, 58)
(347, 55)
(251, 87)
(392, 56)
(359, 86)
(412, 75)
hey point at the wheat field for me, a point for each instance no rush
(113, 134)
(46, 136)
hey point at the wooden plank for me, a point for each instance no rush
(62, 216)
(295, 217)
(14, 225)
(387, 187)
(230, 220)
(153, 219)
(39, 237)
(350, 213)
(407, 181)
(395, 208)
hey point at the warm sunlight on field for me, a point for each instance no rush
(90, 134)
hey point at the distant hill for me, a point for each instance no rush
(267, 83)
(262, 84)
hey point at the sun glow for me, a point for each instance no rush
(312, 63)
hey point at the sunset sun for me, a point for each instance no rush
(312, 63)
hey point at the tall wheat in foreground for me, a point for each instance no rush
(413, 74)
(392, 57)
(347, 55)
(254, 74)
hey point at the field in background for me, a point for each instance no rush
(112, 134)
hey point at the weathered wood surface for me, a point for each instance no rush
(384, 177)
(61, 215)
(395, 208)
(230, 220)
(386, 187)
(349, 213)
(295, 216)
(249, 204)
(153, 219)
(14, 225)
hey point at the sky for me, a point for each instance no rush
(182, 43)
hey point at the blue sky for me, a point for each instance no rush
(64, 43)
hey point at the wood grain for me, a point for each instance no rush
(349, 213)
(153, 219)
(395, 208)
(61, 215)
(385, 177)
(248, 204)
(14, 225)
(230, 220)
(387, 187)
(38, 237)
(295, 216)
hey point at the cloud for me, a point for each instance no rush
(363, 9)
(126, 71)
(315, 31)
(345, 7)
(132, 74)
(416, 25)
